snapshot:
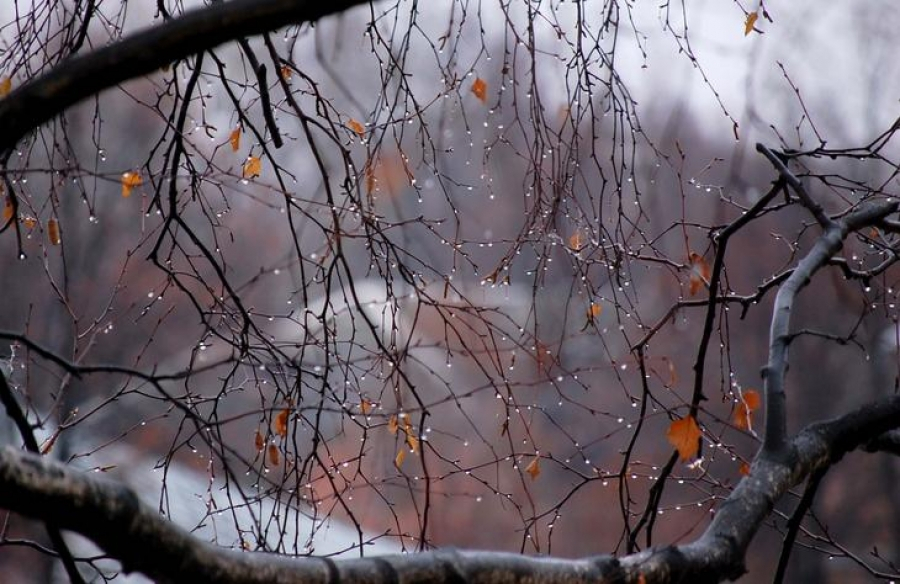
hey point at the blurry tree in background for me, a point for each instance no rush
(471, 274)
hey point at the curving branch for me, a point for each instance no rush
(39, 100)
(828, 244)
(111, 515)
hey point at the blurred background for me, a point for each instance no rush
(463, 300)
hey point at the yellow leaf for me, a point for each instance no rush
(413, 443)
(252, 167)
(130, 180)
(748, 24)
(235, 139)
(5, 86)
(53, 231)
(534, 468)
(392, 425)
(274, 457)
(479, 88)
(280, 423)
(684, 435)
(401, 456)
(356, 127)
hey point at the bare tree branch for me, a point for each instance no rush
(112, 516)
(41, 99)
(779, 336)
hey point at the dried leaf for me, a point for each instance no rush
(365, 406)
(29, 221)
(280, 423)
(252, 167)
(743, 413)
(401, 456)
(479, 88)
(259, 441)
(53, 231)
(5, 86)
(576, 241)
(130, 180)
(393, 425)
(235, 139)
(534, 468)
(684, 435)
(47, 446)
(700, 273)
(594, 311)
(412, 442)
(744, 469)
(356, 127)
(274, 456)
(749, 22)
(286, 72)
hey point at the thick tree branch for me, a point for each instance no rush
(39, 100)
(112, 516)
(828, 244)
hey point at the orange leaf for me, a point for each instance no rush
(700, 273)
(252, 167)
(286, 72)
(401, 456)
(259, 441)
(594, 311)
(365, 406)
(235, 139)
(479, 88)
(534, 468)
(413, 443)
(356, 127)
(274, 457)
(5, 86)
(576, 240)
(744, 469)
(29, 221)
(392, 425)
(53, 231)
(748, 24)
(684, 435)
(130, 180)
(280, 423)
(750, 402)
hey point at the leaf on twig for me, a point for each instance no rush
(129, 181)
(479, 88)
(749, 22)
(700, 273)
(684, 435)
(235, 139)
(534, 468)
(252, 167)
(280, 423)
(743, 413)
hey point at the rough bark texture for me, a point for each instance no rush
(38, 101)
